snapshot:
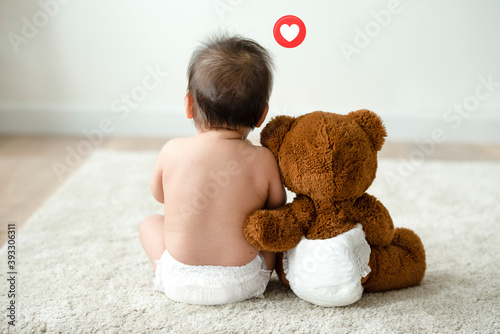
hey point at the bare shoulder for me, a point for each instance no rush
(171, 148)
(172, 143)
(265, 153)
(176, 144)
(261, 156)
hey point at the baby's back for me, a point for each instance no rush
(211, 183)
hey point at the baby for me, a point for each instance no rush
(210, 182)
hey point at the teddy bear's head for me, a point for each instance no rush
(325, 155)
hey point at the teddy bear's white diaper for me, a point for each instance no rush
(328, 272)
(210, 285)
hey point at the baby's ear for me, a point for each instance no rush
(274, 132)
(372, 124)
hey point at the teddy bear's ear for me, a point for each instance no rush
(372, 124)
(274, 132)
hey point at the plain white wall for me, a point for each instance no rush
(423, 68)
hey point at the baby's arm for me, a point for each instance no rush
(156, 183)
(276, 195)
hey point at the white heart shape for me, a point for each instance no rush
(289, 32)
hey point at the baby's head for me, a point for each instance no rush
(229, 84)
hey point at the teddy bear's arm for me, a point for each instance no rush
(376, 220)
(282, 228)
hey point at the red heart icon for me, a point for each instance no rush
(289, 31)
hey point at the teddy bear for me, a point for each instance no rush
(329, 161)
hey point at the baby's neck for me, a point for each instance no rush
(226, 133)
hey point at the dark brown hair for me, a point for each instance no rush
(230, 79)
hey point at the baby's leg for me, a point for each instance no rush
(270, 259)
(151, 235)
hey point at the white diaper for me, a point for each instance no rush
(328, 272)
(211, 285)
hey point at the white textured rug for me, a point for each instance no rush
(81, 269)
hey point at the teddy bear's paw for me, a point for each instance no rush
(270, 230)
(252, 228)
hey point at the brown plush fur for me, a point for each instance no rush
(329, 161)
